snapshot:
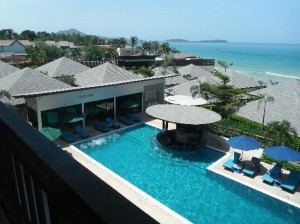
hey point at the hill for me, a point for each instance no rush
(71, 31)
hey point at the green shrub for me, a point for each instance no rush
(285, 165)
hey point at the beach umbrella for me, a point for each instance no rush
(51, 133)
(282, 153)
(129, 104)
(243, 143)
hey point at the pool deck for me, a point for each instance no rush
(165, 215)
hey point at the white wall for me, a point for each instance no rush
(77, 97)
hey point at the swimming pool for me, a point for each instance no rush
(181, 181)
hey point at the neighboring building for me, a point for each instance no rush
(104, 73)
(6, 69)
(64, 45)
(129, 51)
(285, 106)
(240, 81)
(13, 46)
(26, 81)
(62, 66)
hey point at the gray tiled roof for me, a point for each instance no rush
(6, 43)
(240, 81)
(159, 71)
(6, 69)
(28, 81)
(62, 66)
(105, 73)
(286, 104)
(185, 88)
(183, 55)
(194, 71)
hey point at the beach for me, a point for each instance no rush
(278, 62)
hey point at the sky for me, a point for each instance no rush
(248, 21)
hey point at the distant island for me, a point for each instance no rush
(199, 41)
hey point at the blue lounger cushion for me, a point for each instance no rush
(272, 174)
(111, 123)
(292, 181)
(68, 137)
(134, 118)
(251, 171)
(234, 159)
(125, 120)
(82, 133)
(101, 127)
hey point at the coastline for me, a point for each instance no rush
(278, 62)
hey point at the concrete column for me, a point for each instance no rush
(82, 111)
(115, 108)
(39, 119)
(143, 101)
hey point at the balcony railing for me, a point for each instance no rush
(41, 183)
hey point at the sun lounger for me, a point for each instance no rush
(234, 160)
(272, 174)
(111, 123)
(253, 168)
(101, 127)
(82, 133)
(125, 120)
(134, 118)
(68, 137)
(292, 181)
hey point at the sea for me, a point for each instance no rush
(259, 61)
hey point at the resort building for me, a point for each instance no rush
(62, 66)
(106, 90)
(6, 69)
(14, 46)
(285, 106)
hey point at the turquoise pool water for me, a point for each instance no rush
(181, 181)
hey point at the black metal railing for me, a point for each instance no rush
(41, 183)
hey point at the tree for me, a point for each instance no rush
(68, 79)
(165, 48)
(145, 46)
(111, 54)
(224, 64)
(281, 131)
(264, 99)
(41, 53)
(8, 34)
(225, 97)
(4, 93)
(148, 72)
(155, 47)
(133, 43)
(93, 53)
(225, 79)
(118, 42)
(27, 35)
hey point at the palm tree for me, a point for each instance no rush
(133, 43)
(264, 99)
(282, 130)
(224, 64)
(145, 46)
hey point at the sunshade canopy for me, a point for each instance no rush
(282, 153)
(73, 118)
(51, 133)
(183, 114)
(244, 143)
(185, 100)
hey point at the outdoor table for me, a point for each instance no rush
(237, 168)
(277, 182)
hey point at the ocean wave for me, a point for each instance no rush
(281, 75)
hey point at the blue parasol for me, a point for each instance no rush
(243, 143)
(282, 153)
